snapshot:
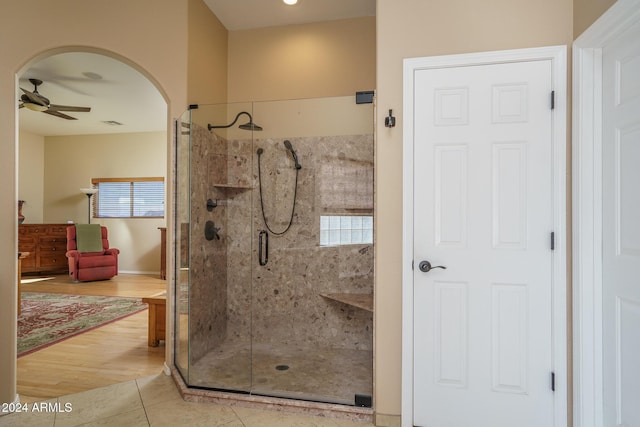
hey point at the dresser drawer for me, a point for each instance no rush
(58, 230)
(53, 262)
(28, 264)
(47, 246)
(27, 245)
(33, 229)
(53, 244)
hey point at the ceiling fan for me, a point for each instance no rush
(36, 102)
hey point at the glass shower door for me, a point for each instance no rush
(313, 298)
(274, 249)
(215, 249)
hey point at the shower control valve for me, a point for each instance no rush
(211, 231)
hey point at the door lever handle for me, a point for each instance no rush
(425, 266)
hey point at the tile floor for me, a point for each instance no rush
(155, 401)
(321, 374)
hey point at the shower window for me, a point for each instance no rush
(346, 230)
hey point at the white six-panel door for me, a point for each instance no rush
(484, 345)
(621, 230)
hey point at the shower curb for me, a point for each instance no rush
(329, 410)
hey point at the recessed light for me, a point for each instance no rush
(290, 2)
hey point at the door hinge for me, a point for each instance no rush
(553, 241)
(553, 99)
(553, 381)
(412, 265)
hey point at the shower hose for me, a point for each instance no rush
(295, 193)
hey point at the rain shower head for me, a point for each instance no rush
(288, 146)
(247, 126)
(250, 126)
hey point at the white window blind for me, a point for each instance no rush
(129, 197)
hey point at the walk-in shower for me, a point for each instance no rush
(274, 255)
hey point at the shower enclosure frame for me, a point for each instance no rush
(282, 159)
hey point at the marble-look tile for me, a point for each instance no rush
(135, 418)
(322, 374)
(30, 418)
(157, 388)
(99, 403)
(256, 418)
(181, 413)
(349, 423)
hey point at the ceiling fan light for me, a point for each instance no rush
(35, 107)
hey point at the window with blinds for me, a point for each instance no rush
(128, 197)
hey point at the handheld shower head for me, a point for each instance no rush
(288, 146)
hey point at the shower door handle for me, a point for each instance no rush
(263, 247)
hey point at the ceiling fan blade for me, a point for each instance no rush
(34, 98)
(55, 107)
(61, 115)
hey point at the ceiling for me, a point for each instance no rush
(117, 92)
(113, 90)
(247, 14)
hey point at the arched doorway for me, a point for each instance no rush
(124, 134)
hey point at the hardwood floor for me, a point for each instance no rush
(107, 355)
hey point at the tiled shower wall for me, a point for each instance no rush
(281, 301)
(208, 258)
(336, 179)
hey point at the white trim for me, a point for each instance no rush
(557, 54)
(587, 204)
(150, 273)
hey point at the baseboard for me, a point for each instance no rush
(383, 420)
(15, 403)
(154, 273)
(167, 369)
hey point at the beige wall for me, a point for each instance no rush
(302, 61)
(155, 43)
(31, 176)
(413, 28)
(207, 56)
(585, 13)
(159, 45)
(71, 162)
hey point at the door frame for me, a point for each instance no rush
(587, 210)
(558, 57)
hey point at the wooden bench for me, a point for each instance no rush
(157, 318)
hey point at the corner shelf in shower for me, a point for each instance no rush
(363, 301)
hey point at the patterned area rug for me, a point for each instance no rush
(50, 318)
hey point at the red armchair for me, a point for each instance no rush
(89, 266)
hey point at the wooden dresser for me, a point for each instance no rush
(47, 245)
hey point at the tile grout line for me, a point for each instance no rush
(144, 408)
